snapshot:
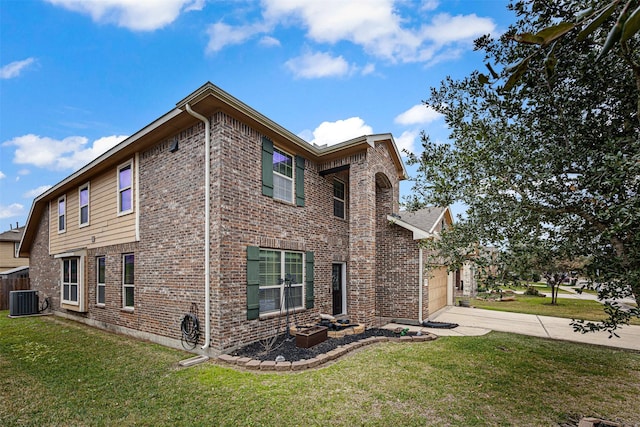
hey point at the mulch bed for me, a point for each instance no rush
(286, 346)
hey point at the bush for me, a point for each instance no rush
(532, 291)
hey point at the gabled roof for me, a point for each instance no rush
(206, 100)
(13, 235)
(423, 222)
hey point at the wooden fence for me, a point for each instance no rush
(8, 285)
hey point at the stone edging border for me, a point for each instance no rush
(300, 365)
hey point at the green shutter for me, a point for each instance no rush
(253, 282)
(309, 280)
(267, 167)
(299, 181)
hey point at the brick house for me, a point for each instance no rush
(215, 209)
(406, 290)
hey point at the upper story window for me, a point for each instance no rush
(125, 188)
(282, 175)
(83, 197)
(62, 214)
(338, 198)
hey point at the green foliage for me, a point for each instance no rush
(546, 156)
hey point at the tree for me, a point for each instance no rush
(546, 152)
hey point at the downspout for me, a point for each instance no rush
(420, 284)
(207, 232)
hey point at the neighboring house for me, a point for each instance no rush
(12, 265)
(214, 208)
(411, 290)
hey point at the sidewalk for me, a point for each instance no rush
(475, 321)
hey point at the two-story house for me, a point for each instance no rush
(215, 209)
(11, 264)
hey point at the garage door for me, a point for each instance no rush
(437, 280)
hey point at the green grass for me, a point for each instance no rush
(566, 307)
(57, 372)
(541, 287)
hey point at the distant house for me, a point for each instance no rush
(216, 210)
(11, 264)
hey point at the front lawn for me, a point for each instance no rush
(566, 307)
(57, 372)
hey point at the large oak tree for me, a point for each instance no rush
(545, 144)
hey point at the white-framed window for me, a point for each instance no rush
(127, 281)
(282, 175)
(125, 188)
(83, 201)
(281, 280)
(338, 198)
(101, 279)
(70, 280)
(62, 214)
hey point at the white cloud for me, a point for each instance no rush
(331, 133)
(14, 209)
(14, 69)
(383, 28)
(269, 41)
(446, 29)
(137, 15)
(70, 153)
(32, 194)
(2, 175)
(406, 141)
(222, 35)
(418, 114)
(315, 65)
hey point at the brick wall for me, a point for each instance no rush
(169, 258)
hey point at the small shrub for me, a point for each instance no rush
(532, 291)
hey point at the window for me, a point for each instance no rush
(125, 188)
(338, 198)
(278, 171)
(282, 175)
(101, 275)
(127, 280)
(281, 280)
(62, 210)
(83, 197)
(70, 280)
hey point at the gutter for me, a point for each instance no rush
(207, 227)
(420, 282)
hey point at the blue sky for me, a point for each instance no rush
(78, 76)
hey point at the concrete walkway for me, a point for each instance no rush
(475, 321)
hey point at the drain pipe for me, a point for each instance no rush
(207, 209)
(420, 284)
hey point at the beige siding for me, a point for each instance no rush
(105, 226)
(8, 259)
(437, 279)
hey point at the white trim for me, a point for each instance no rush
(101, 304)
(64, 199)
(87, 185)
(343, 200)
(418, 234)
(130, 285)
(343, 274)
(136, 197)
(301, 284)
(121, 166)
(292, 178)
(438, 221)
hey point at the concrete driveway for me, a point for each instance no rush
(475, 321)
